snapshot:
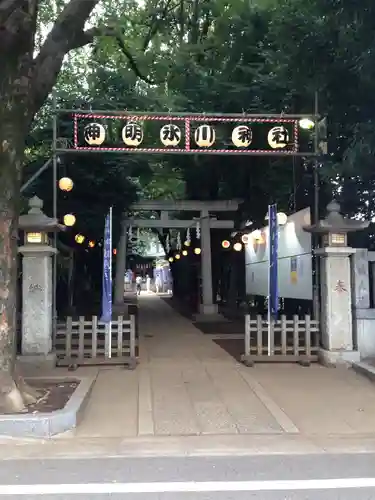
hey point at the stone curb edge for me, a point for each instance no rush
(46, 425)
(365, 369)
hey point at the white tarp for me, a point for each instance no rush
(294, 262)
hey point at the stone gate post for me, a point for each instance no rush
(336, 286)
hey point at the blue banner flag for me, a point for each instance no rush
(107, 271)
(273, 291)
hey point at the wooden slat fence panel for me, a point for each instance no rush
(83, 341)
(294, 339)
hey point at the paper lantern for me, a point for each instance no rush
(177, 256)
(184, 253)
(306, 123)
(66, 184)
(170, 135)
(205, 136)
(132, 134)
(278, 137)
(69, 220)
(282, 218)
(79, 238)
(94, 134)
(197, 251)
(242, 136)
(245, 239)
(225, 244)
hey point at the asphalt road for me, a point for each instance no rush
(275, 477)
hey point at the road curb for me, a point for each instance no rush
(46, 425)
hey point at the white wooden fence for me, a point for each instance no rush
(87, 342)
(295, 340)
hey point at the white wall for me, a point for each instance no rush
(294, 263)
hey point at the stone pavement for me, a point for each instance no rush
(186, 385)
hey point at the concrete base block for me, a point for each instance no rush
(120, 309)
(365, 369)
(209, 318)
(38, 361)
(335, 358)
(46, 425)
(208, 309)
(209, 315)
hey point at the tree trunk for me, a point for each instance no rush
(25, 83)
(15, 119)
(14, 394)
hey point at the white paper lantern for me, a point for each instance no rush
(170, 135)
(278, 137)
(245, 239)
(205, 136)
(66, 184)
(132, 134)
(69, 220)
(94, 134)
(242, 136)
(282, 218)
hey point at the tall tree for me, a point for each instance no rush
(26, 80)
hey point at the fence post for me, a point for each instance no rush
(259, 334)
(132, 339)
(94, 336)
(284, 340)
(306, 358)
(120, 341)
(246, 357)
(247, 334)
(296, 335)
(81, 338)
(68, 340)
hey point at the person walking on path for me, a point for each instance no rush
(138, 284)
(158, 284)
(148, 283)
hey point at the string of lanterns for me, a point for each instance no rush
(66, 184)
(237, 247)
(170, 135)
(184, 253)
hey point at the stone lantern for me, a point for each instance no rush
(335, 285)
(37, 286)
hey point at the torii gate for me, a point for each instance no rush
(208, 309)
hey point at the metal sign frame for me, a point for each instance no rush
(187, 119)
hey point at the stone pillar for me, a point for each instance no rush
(363, 316)
(37, 299)
(121, 267)
(360, 279)
(207, 306)
(336, 306)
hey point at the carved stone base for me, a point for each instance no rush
(37, 361)
(338, 358)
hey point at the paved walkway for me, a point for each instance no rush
(186, 385)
